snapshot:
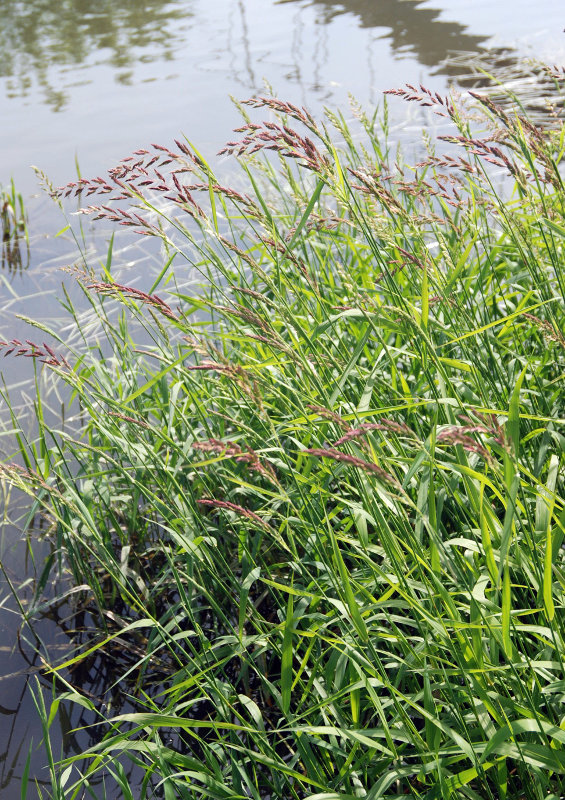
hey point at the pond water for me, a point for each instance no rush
(87, 83)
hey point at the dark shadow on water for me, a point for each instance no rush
(413, 27)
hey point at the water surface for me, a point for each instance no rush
(98, 80)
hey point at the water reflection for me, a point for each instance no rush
(413, 27)
(39, 34)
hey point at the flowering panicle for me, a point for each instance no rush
(445, 187)
(151, 300)
(556, 73)
(316, 222)
(28, 479)
(388, 425)
(345, 458)
(328, 414)
(448, 162)
(455, 435)
(279, 136)
(254, 294)
(238, 250)
(549, 331)
(371, 184)
(126, 418)
(251, 209)
(276, 344)
(288, 109)
(240, 510)
(233, 450)
(494, 108)
(487, 425)
(44, 353)
(247, 315)
(487, 151)
(132, 179)
(442, 106)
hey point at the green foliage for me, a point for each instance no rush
(320, 496)
(13, 228)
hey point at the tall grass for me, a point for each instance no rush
(318, 500)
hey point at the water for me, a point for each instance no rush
(99, 83)
(86, 83)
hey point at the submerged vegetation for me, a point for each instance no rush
(315, 510)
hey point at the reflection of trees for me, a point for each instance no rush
(36, 35)
(413, 28)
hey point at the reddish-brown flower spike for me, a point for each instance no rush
(240, 510)
(43, 353)
(345, 458)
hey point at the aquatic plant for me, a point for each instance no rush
(317, 498)
(13, 228)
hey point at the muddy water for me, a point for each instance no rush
(85, 83)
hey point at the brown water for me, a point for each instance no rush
(87, 83)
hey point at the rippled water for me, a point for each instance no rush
(86, 83)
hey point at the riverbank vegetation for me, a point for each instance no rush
(13, 229)
(314, 513)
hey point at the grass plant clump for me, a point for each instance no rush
(318, 501)
(13, 228)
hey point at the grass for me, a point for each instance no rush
(13, 228)
(317, 500)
